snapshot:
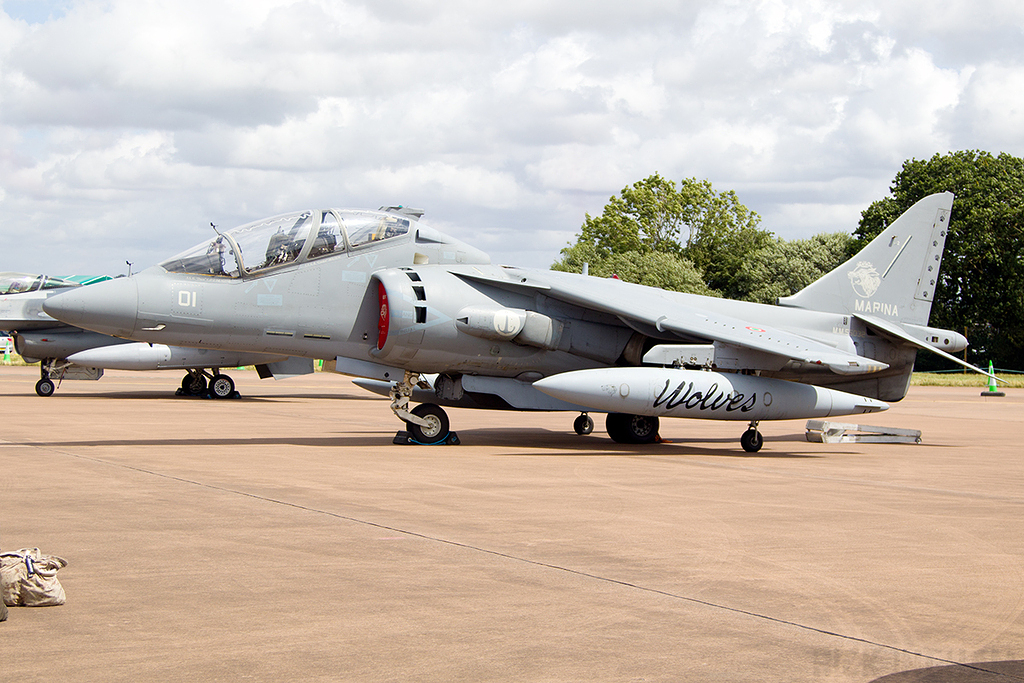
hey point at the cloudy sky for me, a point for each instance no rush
(127, 126)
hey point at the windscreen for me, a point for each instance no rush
(263, 244)
(209, 258)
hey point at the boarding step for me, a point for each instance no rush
(821, 431)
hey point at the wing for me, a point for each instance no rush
(669, 312)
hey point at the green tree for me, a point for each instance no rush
(981, 282)
(645, 217)
(693, 228)
(785, 267)
(655, 269)
(652, 268)
(723, 236)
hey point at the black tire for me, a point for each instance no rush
(45, 387)
(584, 424)
(221, 386)
(193, 385)
(751, 441)
(624, 428)
(437, 431)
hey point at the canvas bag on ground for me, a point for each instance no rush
(29, 578)
(3, 605)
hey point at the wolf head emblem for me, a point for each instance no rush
(865, 279)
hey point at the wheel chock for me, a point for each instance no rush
(403, 438)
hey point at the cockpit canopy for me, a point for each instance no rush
(18, 283)
(288, 238)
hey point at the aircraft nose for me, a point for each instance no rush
(109, 307)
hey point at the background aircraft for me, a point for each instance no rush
(391, 299)
(69, 352)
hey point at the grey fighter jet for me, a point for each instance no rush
(66, 352)
(393, 300)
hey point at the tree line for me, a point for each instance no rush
(689, 237)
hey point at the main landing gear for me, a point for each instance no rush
(213, 384)
(625, 428)
(427, 423)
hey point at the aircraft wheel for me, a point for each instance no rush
(625, 428)
(584, 424)
(45, 387)
(193, 385)
(437, 424)
(751, 441)
(222, 386)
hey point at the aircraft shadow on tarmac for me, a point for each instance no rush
(544, 441)
(164, 395)
(571, 444)
(982, 672)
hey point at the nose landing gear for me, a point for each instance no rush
(199, 382)
(45, 387)
(427, 423)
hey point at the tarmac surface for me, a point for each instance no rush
(283, 537)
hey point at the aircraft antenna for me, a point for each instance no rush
(129, 267)
(214, 228)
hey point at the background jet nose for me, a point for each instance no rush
(109, 307)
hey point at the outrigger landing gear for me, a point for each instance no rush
(427, 423)
(752, 439)
(584, 424)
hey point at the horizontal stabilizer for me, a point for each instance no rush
(894, 330)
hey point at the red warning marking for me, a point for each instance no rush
(385, 316)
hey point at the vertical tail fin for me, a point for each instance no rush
(894, 276)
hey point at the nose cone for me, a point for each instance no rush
(569, 386)
(109, 307)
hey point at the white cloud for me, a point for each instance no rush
(993, 107)
(127, 126)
